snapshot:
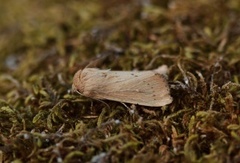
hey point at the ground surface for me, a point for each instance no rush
(43, 43)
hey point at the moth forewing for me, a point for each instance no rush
(137, 87)
(147, 89)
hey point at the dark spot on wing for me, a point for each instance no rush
(104, 75)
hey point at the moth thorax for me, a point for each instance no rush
(77, 82)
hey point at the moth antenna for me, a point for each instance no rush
(96, 62)
(94, 99)
(79, 92)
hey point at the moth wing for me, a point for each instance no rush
(143, 87)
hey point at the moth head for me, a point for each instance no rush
(77, 85)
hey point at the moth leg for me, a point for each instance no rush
(103, 103)
(131, 111)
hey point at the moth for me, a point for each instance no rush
(147, 88)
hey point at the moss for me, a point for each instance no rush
(42, 45)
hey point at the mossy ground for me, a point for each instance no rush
(43, 43)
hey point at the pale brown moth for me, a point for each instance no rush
(147, 88)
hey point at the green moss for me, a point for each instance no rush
(42, 45)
